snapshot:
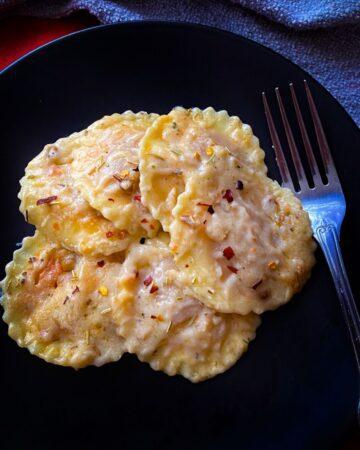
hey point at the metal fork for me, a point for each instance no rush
(325, 202)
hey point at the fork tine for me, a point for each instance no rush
(305, 137)
(279, 154)
(320, 135)
(290, 138)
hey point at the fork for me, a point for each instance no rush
(324, 201)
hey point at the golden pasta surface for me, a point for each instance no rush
(160, 236)
(54, 305)
(177, 145)
(51, 202)
(105, 169)
(165, 324)
(243, 243)
(251, 249)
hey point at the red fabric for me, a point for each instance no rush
(20, 35)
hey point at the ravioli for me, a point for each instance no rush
(51, 202)
(161, 236)
(105, 170)
(241, 241)
(165, 325)
(176, 146)
(57, 304)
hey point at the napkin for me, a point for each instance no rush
(321, 36)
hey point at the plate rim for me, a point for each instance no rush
(178, 24)
(190, 25)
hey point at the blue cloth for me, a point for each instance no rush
(321, 36)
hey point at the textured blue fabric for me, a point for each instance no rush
(321, 36)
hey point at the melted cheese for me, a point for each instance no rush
(176, 146)
(83, 290)
(239, 250)
(164, 324)
(51, 202)
(54, 307)
(252, 249)
(105, 170)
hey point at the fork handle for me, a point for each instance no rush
(328, 238)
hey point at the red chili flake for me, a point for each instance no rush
(137, 198)
(153, 317)
(109, 234)
(27, 216)
(144, 221)
(76, 290)
(211, 210)
(228, 195)
(232, 269)
(66, 299)
(239, 185)
(111, 199)
(148, 280)
(203, 204)
(228, 252)
(153, 289)
(101, 263)
(50, 199)
(257, 284)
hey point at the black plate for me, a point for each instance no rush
(296, 387)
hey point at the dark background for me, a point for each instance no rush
(297, 387)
